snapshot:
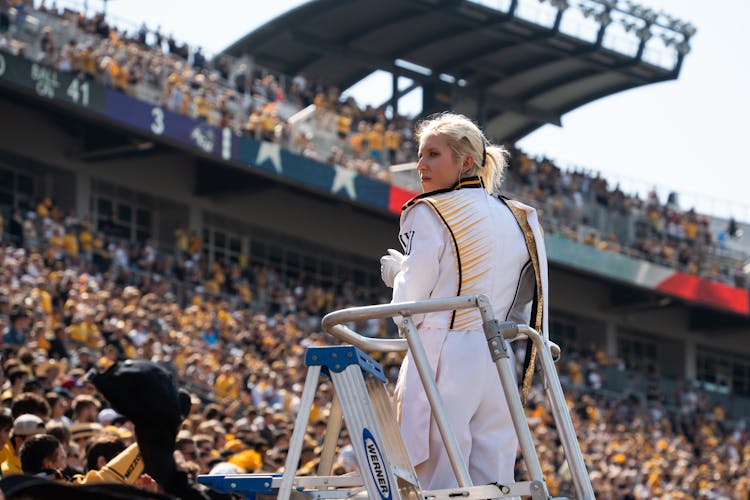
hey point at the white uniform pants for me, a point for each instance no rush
(475, 405)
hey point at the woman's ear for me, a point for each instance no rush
(467, 164)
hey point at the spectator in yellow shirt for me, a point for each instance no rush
(202, 107)
(227, 385)
(376, 139)
(70, 245)
(392, 142)
(24, 426)
(343, 123)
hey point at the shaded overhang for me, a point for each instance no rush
(511, 74)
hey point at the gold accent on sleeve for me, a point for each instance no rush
(528, 235)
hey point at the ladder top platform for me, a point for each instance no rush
(337, 358)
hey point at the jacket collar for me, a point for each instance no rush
(465, 183)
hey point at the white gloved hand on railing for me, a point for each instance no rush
(390, 265)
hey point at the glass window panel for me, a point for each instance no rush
(143, 217)
(124, 213)
(103, 206)
(6, 179)
(220, 239)
(257, 250)
(26, 184)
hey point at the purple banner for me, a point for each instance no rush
(160, 121)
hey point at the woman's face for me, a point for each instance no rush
(438, 168)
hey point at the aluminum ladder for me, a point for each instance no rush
(361, 398)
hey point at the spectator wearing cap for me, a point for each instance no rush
(24, 426)
(81, 433)
(107, 416)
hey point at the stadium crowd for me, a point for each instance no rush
(72, 298)
(232, 93)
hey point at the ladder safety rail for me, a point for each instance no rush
(494, 330)
(560, 412)
(333, 322)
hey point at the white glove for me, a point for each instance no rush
(390, 265)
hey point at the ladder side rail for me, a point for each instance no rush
(560, 412)
(386, 416)
(436, 402)
(333, 431)
(505, 365)
(300, 428)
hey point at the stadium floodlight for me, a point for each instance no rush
(561, 5)
(603, 18)
(644, 34)
(683, 47)
(668, 40)
(688, 30)
(629, 26)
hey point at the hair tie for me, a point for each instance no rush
(484, 152)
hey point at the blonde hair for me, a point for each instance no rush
(466, 139)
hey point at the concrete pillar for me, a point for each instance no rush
(691, 360)
(195, 218)
(83, 195)
(610, 338)
(394, 95)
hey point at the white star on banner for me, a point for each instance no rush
(344, 179)
(270, 151)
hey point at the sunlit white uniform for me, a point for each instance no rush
(462, 241)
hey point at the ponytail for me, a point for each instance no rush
(466, 139)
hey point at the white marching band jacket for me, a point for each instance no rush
(464, 241)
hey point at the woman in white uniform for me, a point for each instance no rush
(459, 239)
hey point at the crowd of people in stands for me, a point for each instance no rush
(232, 93)
(72, 298)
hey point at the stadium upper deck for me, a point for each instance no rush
(514, 65)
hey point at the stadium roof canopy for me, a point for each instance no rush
(511, 73)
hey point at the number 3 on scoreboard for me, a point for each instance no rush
(157, 126)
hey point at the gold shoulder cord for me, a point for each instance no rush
(528, 235)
